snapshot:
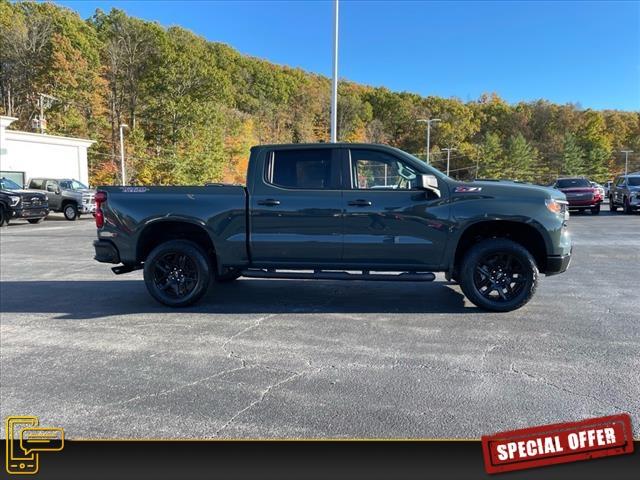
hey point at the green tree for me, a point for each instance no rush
(521, 159)
(491, 162)
(573, 157)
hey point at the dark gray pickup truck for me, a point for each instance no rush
(337, 211)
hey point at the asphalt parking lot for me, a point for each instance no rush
(91, 352)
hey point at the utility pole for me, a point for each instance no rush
(334, 83)
(428, 121)
(448, 157)
(41, 121)
(122, 126)
(41, 117)
(626, 160)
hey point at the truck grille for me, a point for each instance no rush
(34, 202)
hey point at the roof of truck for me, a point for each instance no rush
(322, 145)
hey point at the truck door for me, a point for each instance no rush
(295, 208)
(389, 221)
(53, 194)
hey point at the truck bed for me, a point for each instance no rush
(133, 212)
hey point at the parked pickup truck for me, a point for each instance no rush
(328, 211)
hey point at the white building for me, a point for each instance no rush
(25, 155)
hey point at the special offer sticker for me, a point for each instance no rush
(557, 443)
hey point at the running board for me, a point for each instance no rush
(120, 269)
(331, 275)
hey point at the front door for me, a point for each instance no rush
(389, 222)
(295, 208)
(53, 195)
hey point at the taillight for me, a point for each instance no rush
(100, 198)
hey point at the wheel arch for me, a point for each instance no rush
(162, 230)
(529, 234)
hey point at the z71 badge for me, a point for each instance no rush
(465, 189)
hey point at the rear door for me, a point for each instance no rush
(389, 221)
(295, 208)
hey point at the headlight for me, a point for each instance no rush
(15, 200)
(556, 206)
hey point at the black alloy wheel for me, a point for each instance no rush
(176, 273)
(499, 275)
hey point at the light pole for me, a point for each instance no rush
(334, 83)
(428, 121)
(626, 160)
(122, 126)
(448, 157)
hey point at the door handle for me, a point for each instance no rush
(269, 202)
(360, 203)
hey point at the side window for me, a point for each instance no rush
(36, 184)
(304, 168)
(371, 170)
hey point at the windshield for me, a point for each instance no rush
(633, 181)
(72, 185)
(6, 184)
(572, 183)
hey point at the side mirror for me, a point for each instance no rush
(429, 182)
(51, 188)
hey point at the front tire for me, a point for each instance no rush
(4, 216)
(498, 274)
(70, 212)
(612, 206)
(627, 206)
(177, 273)
(595, 210)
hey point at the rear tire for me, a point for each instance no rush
(177, 273)
(498, 274)
(70, 211)
(35, 220)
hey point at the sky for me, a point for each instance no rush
(566, 52)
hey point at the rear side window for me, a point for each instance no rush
(37, 184)
(304, 168)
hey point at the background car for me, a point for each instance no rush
(625, 193)
(66, 195)
(581, 195)
(600, 189)
(607, 188)
(18, 203)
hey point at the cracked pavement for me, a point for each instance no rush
(91, 352)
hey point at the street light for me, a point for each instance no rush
(334, 80)
(428, 121)
(449, 149)
(626, 160)
(122, 126)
